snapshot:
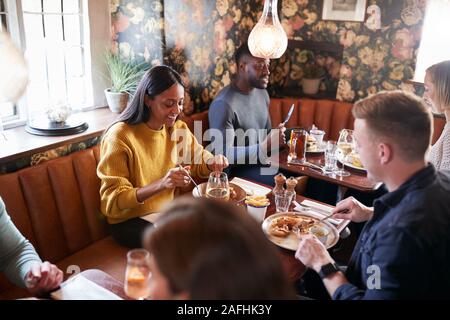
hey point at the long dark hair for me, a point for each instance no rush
(214, 250)
(155, 81)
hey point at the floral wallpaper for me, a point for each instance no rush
(199, 37)
(376, 56)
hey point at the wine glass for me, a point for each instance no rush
(345, 146)
(137, 274)
(217, 186)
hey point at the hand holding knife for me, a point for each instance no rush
(291, 110)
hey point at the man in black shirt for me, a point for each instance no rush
(404, 249)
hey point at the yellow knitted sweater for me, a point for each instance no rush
(132, 156)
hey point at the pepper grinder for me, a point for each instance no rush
(280, 179)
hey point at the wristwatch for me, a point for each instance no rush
(328, 269)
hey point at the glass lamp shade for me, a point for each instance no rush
(14, 72)
(268, 39)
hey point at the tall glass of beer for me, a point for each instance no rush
(297, 146)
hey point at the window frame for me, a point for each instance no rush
(95, 34)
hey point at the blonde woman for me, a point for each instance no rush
(437, 94)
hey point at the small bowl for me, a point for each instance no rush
(320, 232)
(258, 213)
(240, 193)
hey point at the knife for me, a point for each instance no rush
(289, 114)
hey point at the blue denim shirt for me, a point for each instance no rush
(404, 251)
(16, 253)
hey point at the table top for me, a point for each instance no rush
(357, 180)
(294, 268)
(106, 281)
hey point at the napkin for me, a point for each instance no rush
(80, 288)
(250, 187)
(318, 210)
(152, 217)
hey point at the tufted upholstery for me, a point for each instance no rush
(328, 115)
(56, 206)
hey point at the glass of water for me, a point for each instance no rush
(330, 157)
(283, 201)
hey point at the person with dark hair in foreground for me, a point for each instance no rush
(207, 249)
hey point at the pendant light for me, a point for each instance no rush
(268, 39)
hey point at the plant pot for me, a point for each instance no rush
(117, 101)
(310, 86)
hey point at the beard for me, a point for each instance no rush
(259, 83)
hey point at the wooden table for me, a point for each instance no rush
(357, 180)
(106, 281)
(294, 268)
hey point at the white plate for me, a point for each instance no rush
(290, 242)
(320, 149)
(348, 164)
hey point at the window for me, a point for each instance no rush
(55, 36)
(55, 53)
(435, 44)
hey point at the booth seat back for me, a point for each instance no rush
(328, 115)
(56, 205)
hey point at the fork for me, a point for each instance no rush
(193, 181)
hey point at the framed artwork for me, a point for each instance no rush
(344, 10)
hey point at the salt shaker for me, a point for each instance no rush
(290, 184)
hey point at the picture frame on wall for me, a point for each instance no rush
(344, 10)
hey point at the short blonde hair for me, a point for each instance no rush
(440, 77)
(401, 117)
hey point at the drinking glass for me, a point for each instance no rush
(318, 135)
(345, 146)
(297, 146)
(137, 274)
(217, 186)
(283, 201)
(330, 157)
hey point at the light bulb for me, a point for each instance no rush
(268, 39)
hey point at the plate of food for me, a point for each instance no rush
(237, 194)
(282, 229)
(313, 147)
(352, 160)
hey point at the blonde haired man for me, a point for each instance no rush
(404, 249)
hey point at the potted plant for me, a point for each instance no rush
(312, 75)
(125, 75)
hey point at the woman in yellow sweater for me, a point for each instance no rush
(142, 152)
